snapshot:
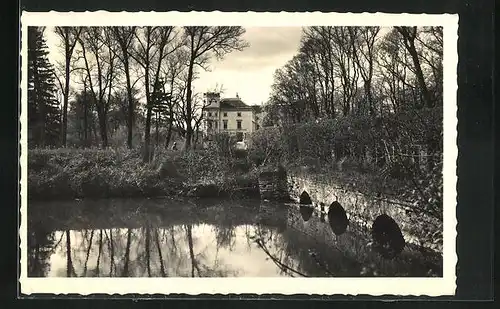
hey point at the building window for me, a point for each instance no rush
(224, 124)
(238, 124)
(209, 114)
(239, 114)
(209, 124)
(215, 114)
(225, 114)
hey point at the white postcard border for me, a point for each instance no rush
(321, 286)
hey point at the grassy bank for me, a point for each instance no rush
(100, 173)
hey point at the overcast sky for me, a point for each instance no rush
(248, 73)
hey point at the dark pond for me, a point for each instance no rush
(201, 238)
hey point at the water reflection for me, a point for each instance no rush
(186, 251)
(337, 218)
(41, 244)
(306, 212)
(159, 238)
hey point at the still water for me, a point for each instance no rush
(200, 238)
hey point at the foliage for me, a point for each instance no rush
(43, 109)
(363, 99)
(70, 173)
(340, 71)
(266, 146)
(377, 147)
(115, 72)
(120, 172)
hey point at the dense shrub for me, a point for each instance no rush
(361, 140)
(205, 166)
(93, 172)
(267, 146)
(67, 173)
(380, 148)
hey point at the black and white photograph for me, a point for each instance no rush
(285, 153)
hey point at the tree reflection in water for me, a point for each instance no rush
(41, 243)
(214, 241)
(194, 249)
(279, 260)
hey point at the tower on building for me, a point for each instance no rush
(212, 99)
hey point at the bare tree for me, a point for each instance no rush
(363, 43)
(124, 36)
(202, 43)
(153, 45)
(409, 35)
(69, 37)
(318, 48)
(100, 60)
(173, 69)
(430, 50)
(345, 66)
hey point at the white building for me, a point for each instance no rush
(230, 115)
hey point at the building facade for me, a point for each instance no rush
(229, 115)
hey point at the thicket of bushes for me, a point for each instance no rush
(120, 172)
(352, 139)
(379, 147)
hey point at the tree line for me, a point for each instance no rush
(367, 99)
(340, 71)
(363, 93)
(106, 72)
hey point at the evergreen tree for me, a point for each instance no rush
(43, 107)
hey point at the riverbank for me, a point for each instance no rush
(68, 173)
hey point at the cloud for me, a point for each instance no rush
(268, 46)
(250, 72)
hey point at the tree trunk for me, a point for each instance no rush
(420, 76)
(369, 98)
(65, 97)
(148, 252)
(191, 249)
(127, 254)
(130, 116)
(409, 42)
(86, 128)
(112, 252)
(160, 256)
(103, 127)
(41, 110)
(169, 131)
(157, 131)
(69, 262)
(88, 254)
(189, 127)
(147, 129)
(99, 252)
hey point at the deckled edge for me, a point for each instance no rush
(30, 18)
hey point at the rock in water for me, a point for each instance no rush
(306, 212)
(387, 237)
(337, 218)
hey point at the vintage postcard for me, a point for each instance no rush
(256, 153)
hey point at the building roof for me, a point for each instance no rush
(233, 103)
(230, 104)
